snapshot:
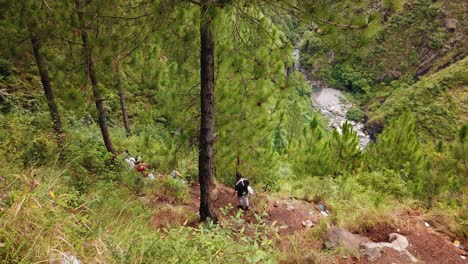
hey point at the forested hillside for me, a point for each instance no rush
(126, 127)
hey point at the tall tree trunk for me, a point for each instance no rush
(123, 105)
(205, 156)
(92, 74)
(46, 85)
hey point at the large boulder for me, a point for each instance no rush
(336, 237)
(398, 243)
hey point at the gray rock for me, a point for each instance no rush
(372, 254)
(307, 223)
(68, 258)
(399, 243)
(289, 207)
(339, 237)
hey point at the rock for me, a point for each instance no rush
(289, 207)
(68, 258)
(339, 237)
(426, 224)
(276, 204)
(399, 243)
(307, 223)
(372, 254)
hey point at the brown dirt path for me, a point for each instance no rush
(277, 210)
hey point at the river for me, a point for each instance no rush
(333, 104)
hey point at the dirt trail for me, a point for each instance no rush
(288, 213)
(426, 245)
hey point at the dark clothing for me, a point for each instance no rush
(242, 187)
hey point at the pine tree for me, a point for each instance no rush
(207, 136)
(397, 148)
(310, 153)
(123, 104)
(91, 71)
(460, 150)
(34, 25)
(345, 148)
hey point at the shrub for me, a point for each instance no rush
(348, 78)
(385, 181)
(355, 114)
(6, 68)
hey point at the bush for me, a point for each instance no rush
(355, 114)
(348, 78)
(6, 68)
(386, 181)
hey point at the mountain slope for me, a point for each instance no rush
(439, 103)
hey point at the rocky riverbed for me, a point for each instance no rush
(332, 103)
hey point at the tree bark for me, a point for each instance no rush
(123, 105)
(205, 156)
(47, 86)
(92, 75)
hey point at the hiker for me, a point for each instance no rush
(140, 165)
(129, 159)
(131, 162)
(242, 191)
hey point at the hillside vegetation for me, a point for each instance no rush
(204, 91)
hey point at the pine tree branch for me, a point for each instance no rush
(65, 39)
(344, 26)
(48, 7)
(124, 18)
(194, 2)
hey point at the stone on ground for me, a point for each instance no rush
(336, 237)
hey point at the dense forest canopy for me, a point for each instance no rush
(357, 109)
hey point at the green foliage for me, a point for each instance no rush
(436, 103)
(459, 149)
(348, 78)
(397, 148)
(175, 188)
(23, 142)
(96, 208)
(345, 148)
(6, 68)
(108, 225)
(355, 114)
(310, 155)
(388, 182)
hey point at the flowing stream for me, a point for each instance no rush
(333, 104)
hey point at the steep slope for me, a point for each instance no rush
(439, 103)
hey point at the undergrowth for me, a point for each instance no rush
(43, 217)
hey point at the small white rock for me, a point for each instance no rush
(307, 223)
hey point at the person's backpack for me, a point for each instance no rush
(250, 189)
